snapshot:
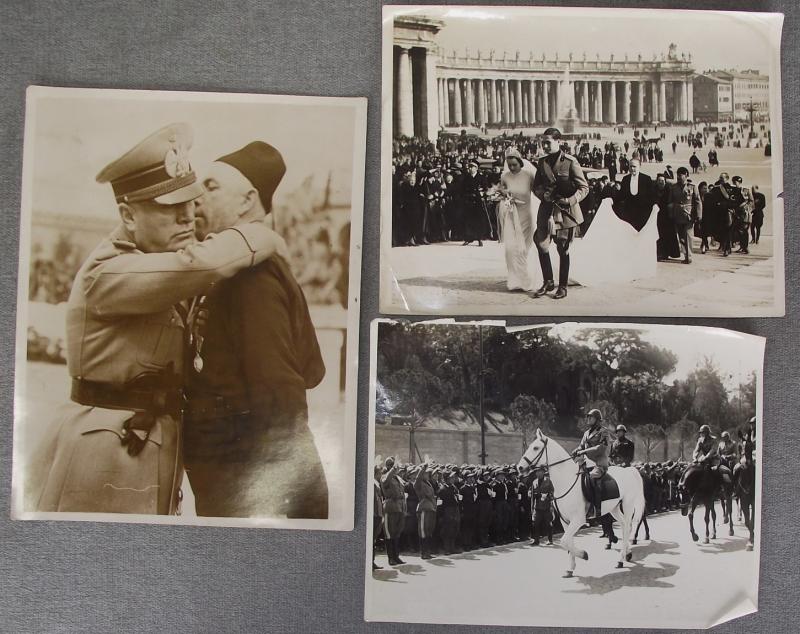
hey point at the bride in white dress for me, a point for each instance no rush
(516, 218)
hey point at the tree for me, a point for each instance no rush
(710, 398)
(687, 431)
(529, 413)
(651, 435)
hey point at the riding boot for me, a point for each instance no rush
(598, 497)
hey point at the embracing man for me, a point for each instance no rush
(560, 185)
(128, 321)
(249, 451)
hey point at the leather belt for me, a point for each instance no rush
(127, 396)
(206, 408)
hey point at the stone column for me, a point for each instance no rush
(446, 95)
(690, 100)
(653, 101)
(458, 118)
(640, 102)
(493, 101)
(405, 95)
(430, 102)
(626, 103)
(518, 102)
(545, 101)
(531, 101)
(597, 102)
(585, 101)
(524, 90)
(612, 101)
(662, 100)
(481, 103)
(469, 111)
(555, 105)
(506, 103)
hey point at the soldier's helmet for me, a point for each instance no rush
(596, 414)
(622, 428)
(725, 434)
(705, 428)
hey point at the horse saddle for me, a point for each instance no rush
(609, 489)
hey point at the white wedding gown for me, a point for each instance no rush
(517, 225)
(613, 252)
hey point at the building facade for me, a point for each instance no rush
(750, 90)
(435, 90)
(713, 99)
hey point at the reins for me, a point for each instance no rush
(547, 465)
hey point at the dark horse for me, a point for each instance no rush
(744, 483)
(700, 485)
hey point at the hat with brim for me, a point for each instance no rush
(155, 170)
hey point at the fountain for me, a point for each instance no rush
(568, 114)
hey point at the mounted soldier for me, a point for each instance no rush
(622, 448)
(594, 448)
(728, 451)
(705, 451)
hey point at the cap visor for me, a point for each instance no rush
(182, 195)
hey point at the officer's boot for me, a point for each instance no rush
(598, 497)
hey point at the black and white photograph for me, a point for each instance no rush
(572, 474)
(187, 324)
(581, 161)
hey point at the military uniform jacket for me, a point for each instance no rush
(684, 203)
(500, 491)
(727, 450)
(482, 491)
(122, 324)
(469, 495)
(621, 451)
(543, 495)
(394, 497)
(562, 177)
(425, 494)
(447, 494)
(705, 448)
(377, 502)
(596, 441)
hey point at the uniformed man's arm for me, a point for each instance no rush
(140, 283)
(577, 176)
(541, 185)
(697, 205)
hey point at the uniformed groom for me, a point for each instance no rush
(560, 186)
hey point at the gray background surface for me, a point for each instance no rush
(59, 576)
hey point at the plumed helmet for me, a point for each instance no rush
(725, 434)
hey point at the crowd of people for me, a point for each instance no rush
(448, 191)
(430, 508)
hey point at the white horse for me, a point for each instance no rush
(571, 504)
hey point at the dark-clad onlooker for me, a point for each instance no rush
(759, 205)
(634, 202)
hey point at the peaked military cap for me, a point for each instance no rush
(155, 169)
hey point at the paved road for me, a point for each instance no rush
(672, 582)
